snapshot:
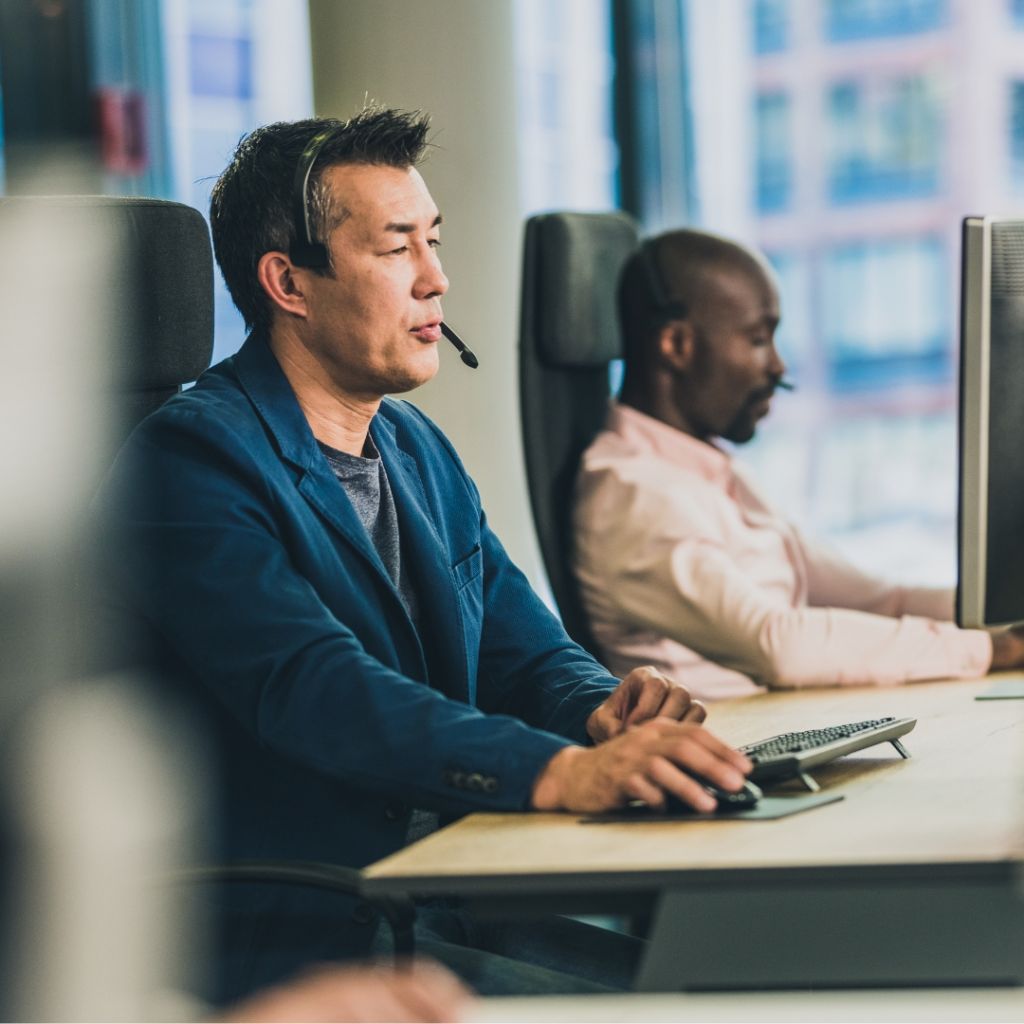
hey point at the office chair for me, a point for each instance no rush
(568, 336)
(155, 291)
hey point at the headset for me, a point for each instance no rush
(672, 309)
(305, 252)
(661, 299)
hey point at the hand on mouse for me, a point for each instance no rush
(644, 763)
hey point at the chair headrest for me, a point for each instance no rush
(580, 257)
(158, 281)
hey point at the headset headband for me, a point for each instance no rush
(674, 309)
(305, 252)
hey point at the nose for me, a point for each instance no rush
(430, 281)
(777, 365)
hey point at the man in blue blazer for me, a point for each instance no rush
(312, 565)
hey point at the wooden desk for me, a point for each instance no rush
(913, 878)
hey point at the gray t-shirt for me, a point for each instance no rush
(366, 484)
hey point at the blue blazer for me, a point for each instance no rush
(240, 556)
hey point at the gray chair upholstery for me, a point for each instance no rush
(157, 288)
(568, 336)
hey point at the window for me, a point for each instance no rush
(771, 25)
(774, 168)
(794, 338)
(853, 173)
(569, 156)
(867, 19)
(885, 316)
(220, 66)
(884, 139)
(1017, 135)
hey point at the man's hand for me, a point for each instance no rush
(644, 694)
(1008, 648)
(418, 991)
(644, 763)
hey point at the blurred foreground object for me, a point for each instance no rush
(95, 801)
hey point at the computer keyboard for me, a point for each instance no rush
(791, 754)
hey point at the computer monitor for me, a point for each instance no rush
(990, 590)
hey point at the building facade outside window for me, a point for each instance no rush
(872, 19)
(771, 25)
(884, 139)
(774, 174)
(568, 153)
(884, 315)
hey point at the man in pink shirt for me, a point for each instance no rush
(681, 564)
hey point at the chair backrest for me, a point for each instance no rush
(568, 335)
(154, 288)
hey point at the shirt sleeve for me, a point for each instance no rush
(658, 576)
(833, 582)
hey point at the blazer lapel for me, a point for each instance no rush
(270, 392)
(430, 560)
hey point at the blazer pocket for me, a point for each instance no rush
(467, 569)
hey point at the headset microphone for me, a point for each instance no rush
(464, 353)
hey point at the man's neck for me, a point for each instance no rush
(660, 407)
(337, 418)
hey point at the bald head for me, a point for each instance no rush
(698, 315)
(672, 276)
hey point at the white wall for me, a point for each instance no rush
(454, 59)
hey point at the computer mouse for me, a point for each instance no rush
(743, 800)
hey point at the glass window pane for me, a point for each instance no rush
(884, 139)
(774, 175)
(771, 25)
(794, 338)
(1017, 134)
(220, 66)
(568, 156)
(884, 313)
(867, 19)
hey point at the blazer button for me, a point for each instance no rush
(490, 784)
(393, 812)
(474, 781)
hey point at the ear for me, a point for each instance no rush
(278, 278)
(677, 344)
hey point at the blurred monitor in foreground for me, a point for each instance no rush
(990, 589)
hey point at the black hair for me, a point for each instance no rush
(251, 206)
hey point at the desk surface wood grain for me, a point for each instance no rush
(958, 802)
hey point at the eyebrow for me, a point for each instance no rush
(761, 323)
(401, 228)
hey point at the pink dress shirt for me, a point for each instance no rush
(683, 566)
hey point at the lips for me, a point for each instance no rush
(759, 403)
(430, 331)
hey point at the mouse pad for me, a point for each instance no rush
(768, 808)
(1004, 689)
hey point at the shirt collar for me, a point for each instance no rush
(670, 443)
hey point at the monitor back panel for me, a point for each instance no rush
(991, 539)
